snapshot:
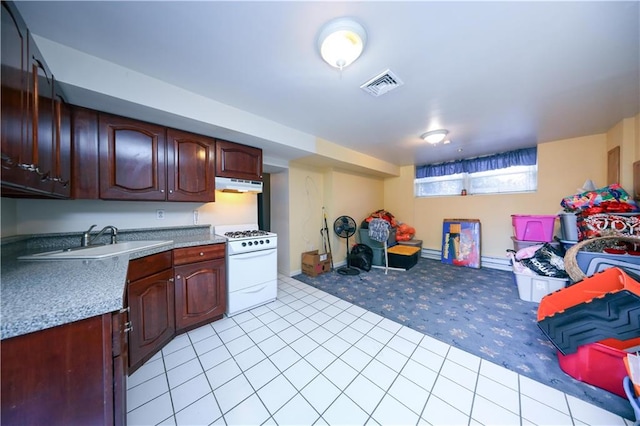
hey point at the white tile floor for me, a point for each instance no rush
(310, 358)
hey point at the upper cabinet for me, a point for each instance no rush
(35, 129)
(148, 162)
(238, 161)
(190, 167)
(132, 159)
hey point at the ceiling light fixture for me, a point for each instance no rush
(341, 42)
(435, 136)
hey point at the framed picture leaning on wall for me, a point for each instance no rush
(461, 242)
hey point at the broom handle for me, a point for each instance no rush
(326, 233)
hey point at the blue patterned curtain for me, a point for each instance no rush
(519, 157)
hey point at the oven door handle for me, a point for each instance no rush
(258, 290)
(253, 254)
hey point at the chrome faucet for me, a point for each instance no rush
(87, 239)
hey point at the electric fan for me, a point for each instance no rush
(345, 227)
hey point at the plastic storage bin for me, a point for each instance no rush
(532, 288)
(518, 245)
(412, 243)
(404, 257)
(569, 226)
(364, 239)
(378, 256)
(600, 364)
(590, 262)
(631, 396)
(533, 227)
(611, 280)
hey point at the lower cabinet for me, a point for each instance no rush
(150, 295)
(200, 284)
(71, 374)
(173, 292)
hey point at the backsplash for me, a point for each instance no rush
(58, 241)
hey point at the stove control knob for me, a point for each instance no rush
(244, 244)
(250, 243)
(261, 241)
(267, 241)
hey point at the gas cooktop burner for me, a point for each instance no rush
(246, 234)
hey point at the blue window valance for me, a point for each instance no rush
(519, 157)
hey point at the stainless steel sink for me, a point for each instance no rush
(98, 252)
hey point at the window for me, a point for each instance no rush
(495, 174)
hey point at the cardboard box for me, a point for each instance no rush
(314, 263)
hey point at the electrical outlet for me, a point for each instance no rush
(195, 217)
(160, 214)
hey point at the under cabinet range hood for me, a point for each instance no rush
(238, 185)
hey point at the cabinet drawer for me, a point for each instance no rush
(148, 265)
(198, 253)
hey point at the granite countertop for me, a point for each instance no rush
(45, 293)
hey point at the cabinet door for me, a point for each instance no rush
(152, 316)
(59, 376)
(61, 175)
(190, 167)
(238, 161)
(120, 352)
(36, 135)
(85, 166)
(200, 293)
(132, 159)
(14, 108)
(43, 122)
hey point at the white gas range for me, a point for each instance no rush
(252, 266)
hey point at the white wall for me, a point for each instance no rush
(53, 216)
(280, 218)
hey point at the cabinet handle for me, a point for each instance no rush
(178, 277)
(128, 327)
(201, 254)
(171, 191)
(123, 310)
(162, 190)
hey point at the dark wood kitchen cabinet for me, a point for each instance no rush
(234, 160)
(66, 375)
(35, 128)
(132, 159)
(200, 284)
(85, 167)
(61, 147)
(141, 161)
(150, 295)
(190, 167)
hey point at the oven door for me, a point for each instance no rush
(252, 279)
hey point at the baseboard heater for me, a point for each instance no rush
(485, 261)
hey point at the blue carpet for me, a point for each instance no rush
(477, 310)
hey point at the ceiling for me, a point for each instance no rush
(497, 75)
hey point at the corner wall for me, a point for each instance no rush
(340, 193)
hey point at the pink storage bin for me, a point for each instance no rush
(533, 227)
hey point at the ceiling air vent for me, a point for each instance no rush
(382, 83)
